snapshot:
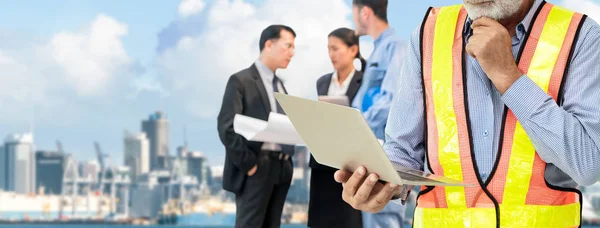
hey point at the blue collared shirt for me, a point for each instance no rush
(380, 81)
(566, 137)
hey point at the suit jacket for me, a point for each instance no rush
(323, 88)
(245, 94)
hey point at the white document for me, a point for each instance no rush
(339, 100)
(340, 137)
(278, 129)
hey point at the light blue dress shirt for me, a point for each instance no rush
(374, 98)
(566, 137)
(380, 81)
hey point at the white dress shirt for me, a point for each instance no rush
(267, 76)
(335, 89)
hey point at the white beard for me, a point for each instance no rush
(495, 9)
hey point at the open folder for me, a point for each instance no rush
(340, 137)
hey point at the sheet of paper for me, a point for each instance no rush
(339, 100)
(279, 129)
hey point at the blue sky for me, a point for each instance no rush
(146, 21)
(59, 51)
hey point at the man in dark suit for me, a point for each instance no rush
(258, 173)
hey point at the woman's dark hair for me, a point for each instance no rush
(350, 39)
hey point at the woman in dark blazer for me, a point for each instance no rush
(326, 207)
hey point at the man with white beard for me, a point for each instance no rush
(503, 95)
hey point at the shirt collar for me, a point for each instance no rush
(265, 73)
(521, 27)
(346, 83)
(386, 33)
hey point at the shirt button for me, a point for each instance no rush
(485, 133)
(487, 94)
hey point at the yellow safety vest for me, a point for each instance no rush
(516, 193)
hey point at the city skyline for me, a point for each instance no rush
(88, 70)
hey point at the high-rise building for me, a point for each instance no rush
(17, 166)
(50, 167)
(157, 131)
(197, 166)
(217, 178)
(181, 159)
(182, 151)
(137, 153)
(181, 162)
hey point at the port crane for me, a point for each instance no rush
(116, 181)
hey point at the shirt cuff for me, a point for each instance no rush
(524, 98)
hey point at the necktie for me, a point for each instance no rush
(287, 150)
(276, 89)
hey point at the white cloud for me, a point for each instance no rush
(92, 57)
(66, 71)
(591, 8)
(190, 7)
(197, 67)
(18, 89)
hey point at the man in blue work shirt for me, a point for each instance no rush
(380, 82)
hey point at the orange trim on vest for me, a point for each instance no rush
(438, 194)
(539, 166)
(497, 184)
(469, 175)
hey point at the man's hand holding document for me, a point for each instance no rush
(278, 129)
(339, 137)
